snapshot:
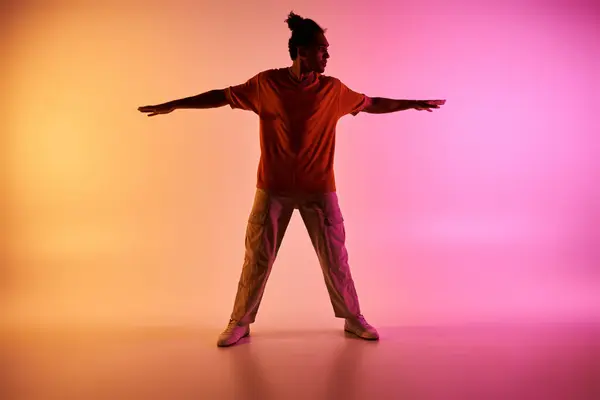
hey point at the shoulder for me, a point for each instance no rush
(330, 81)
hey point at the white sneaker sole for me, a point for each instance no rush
(365, 336)
(225, 344)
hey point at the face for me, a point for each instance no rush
(314, 58)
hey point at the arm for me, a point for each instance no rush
(382, 105)
(211, 99)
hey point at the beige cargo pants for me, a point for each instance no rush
(267, 224)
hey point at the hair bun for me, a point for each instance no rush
(294, 21)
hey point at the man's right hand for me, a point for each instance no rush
(157, 109)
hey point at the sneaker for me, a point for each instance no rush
(361, 328)
(233, 333)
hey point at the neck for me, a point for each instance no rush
(299, 72)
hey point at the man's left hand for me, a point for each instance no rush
(428, 105)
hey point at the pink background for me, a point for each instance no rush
(485, 210)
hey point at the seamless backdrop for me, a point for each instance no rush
(485, 210)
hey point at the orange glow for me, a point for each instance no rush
(479, 211)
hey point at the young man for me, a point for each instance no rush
(298, 109)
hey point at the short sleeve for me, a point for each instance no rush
(244, 96)
(351, 102)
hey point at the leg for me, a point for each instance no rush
(325, 225)
(266, 227)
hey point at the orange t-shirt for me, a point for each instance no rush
(297, 127)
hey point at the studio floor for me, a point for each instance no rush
(482, 362)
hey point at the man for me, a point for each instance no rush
(298, 108)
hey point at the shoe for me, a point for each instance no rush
(361, 328)
(233, 333)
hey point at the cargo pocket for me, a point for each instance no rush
(257, 218)
(334, 219)
(335, 230)
(256, 252)
(260, 208)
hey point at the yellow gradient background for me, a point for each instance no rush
(485, 210)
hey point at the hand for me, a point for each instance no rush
(427, 105)
(157, 109)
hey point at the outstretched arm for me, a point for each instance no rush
(382, 105)
(211, 99)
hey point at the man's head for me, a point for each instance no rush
(308, 44)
